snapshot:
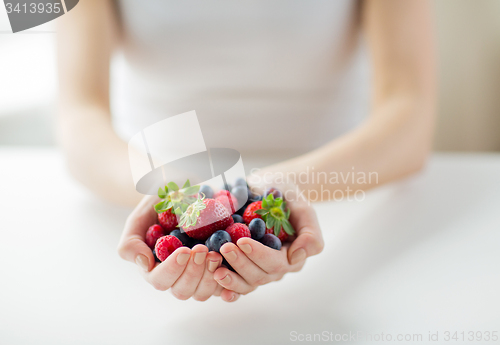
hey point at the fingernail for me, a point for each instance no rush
(182, 258)
(231, 256)
(232, 298)
(246, 248)
(298, 256)
(212, 265)
(143, 262)
(199, 258)
(226, 280)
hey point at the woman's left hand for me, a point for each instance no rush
(255, 264)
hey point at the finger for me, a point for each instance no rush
(270, 260)
(132, 246)
(185, 286)
(232, 281)
(229, 296)
(245, 267)
(309, 239)
(207, 286)
(218, 290)
(164, 275)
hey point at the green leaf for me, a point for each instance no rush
(277, 227)
(184, 207)
(270, 197)
(288, 228)
(166, 190)
(161, 193)
(189, 200)
(194, 218)
(191, 190)
(269, 222)
(287, 214)
(160, 207)
(261, 212)
(178, 211)
(172, 186)
(186, 184)
(168, 204)
(264, 203)
(278, 202)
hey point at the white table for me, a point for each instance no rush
(416, 256)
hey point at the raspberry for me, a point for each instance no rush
(154, 233)
(237, 231)
(167, 220)
(166, 245)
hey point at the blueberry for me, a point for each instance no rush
(227, 187)
(176, 233)
(207, 191)
(274, 191)
(193, 242)
(237, 218)
(241, 194)
(217, 240)
(207, 242)
(255, 197)
(271, 241)
(257, 228)
(156, 258)
(240, 181)
(182, 236)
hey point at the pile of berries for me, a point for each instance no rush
(197, 215)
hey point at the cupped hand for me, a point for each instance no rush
(186, 272)
(256, 264)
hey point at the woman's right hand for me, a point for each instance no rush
(186, 272)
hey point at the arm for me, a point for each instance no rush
(95, 155)
(396, 138)
(393, 142)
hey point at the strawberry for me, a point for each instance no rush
(283, 236)
(273, 212)
(222, 192)
(154, 233)
(228, 200)
(204, 217)
(165, 246)
(237, 231)
(167, 220)
(175, 199)
(250, 214)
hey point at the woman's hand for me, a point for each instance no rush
(257, 264)
(186, 272)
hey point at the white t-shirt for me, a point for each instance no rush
(262, 75)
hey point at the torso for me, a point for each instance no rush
(261, 75)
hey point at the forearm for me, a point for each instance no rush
(394, 142)
(95, 155)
